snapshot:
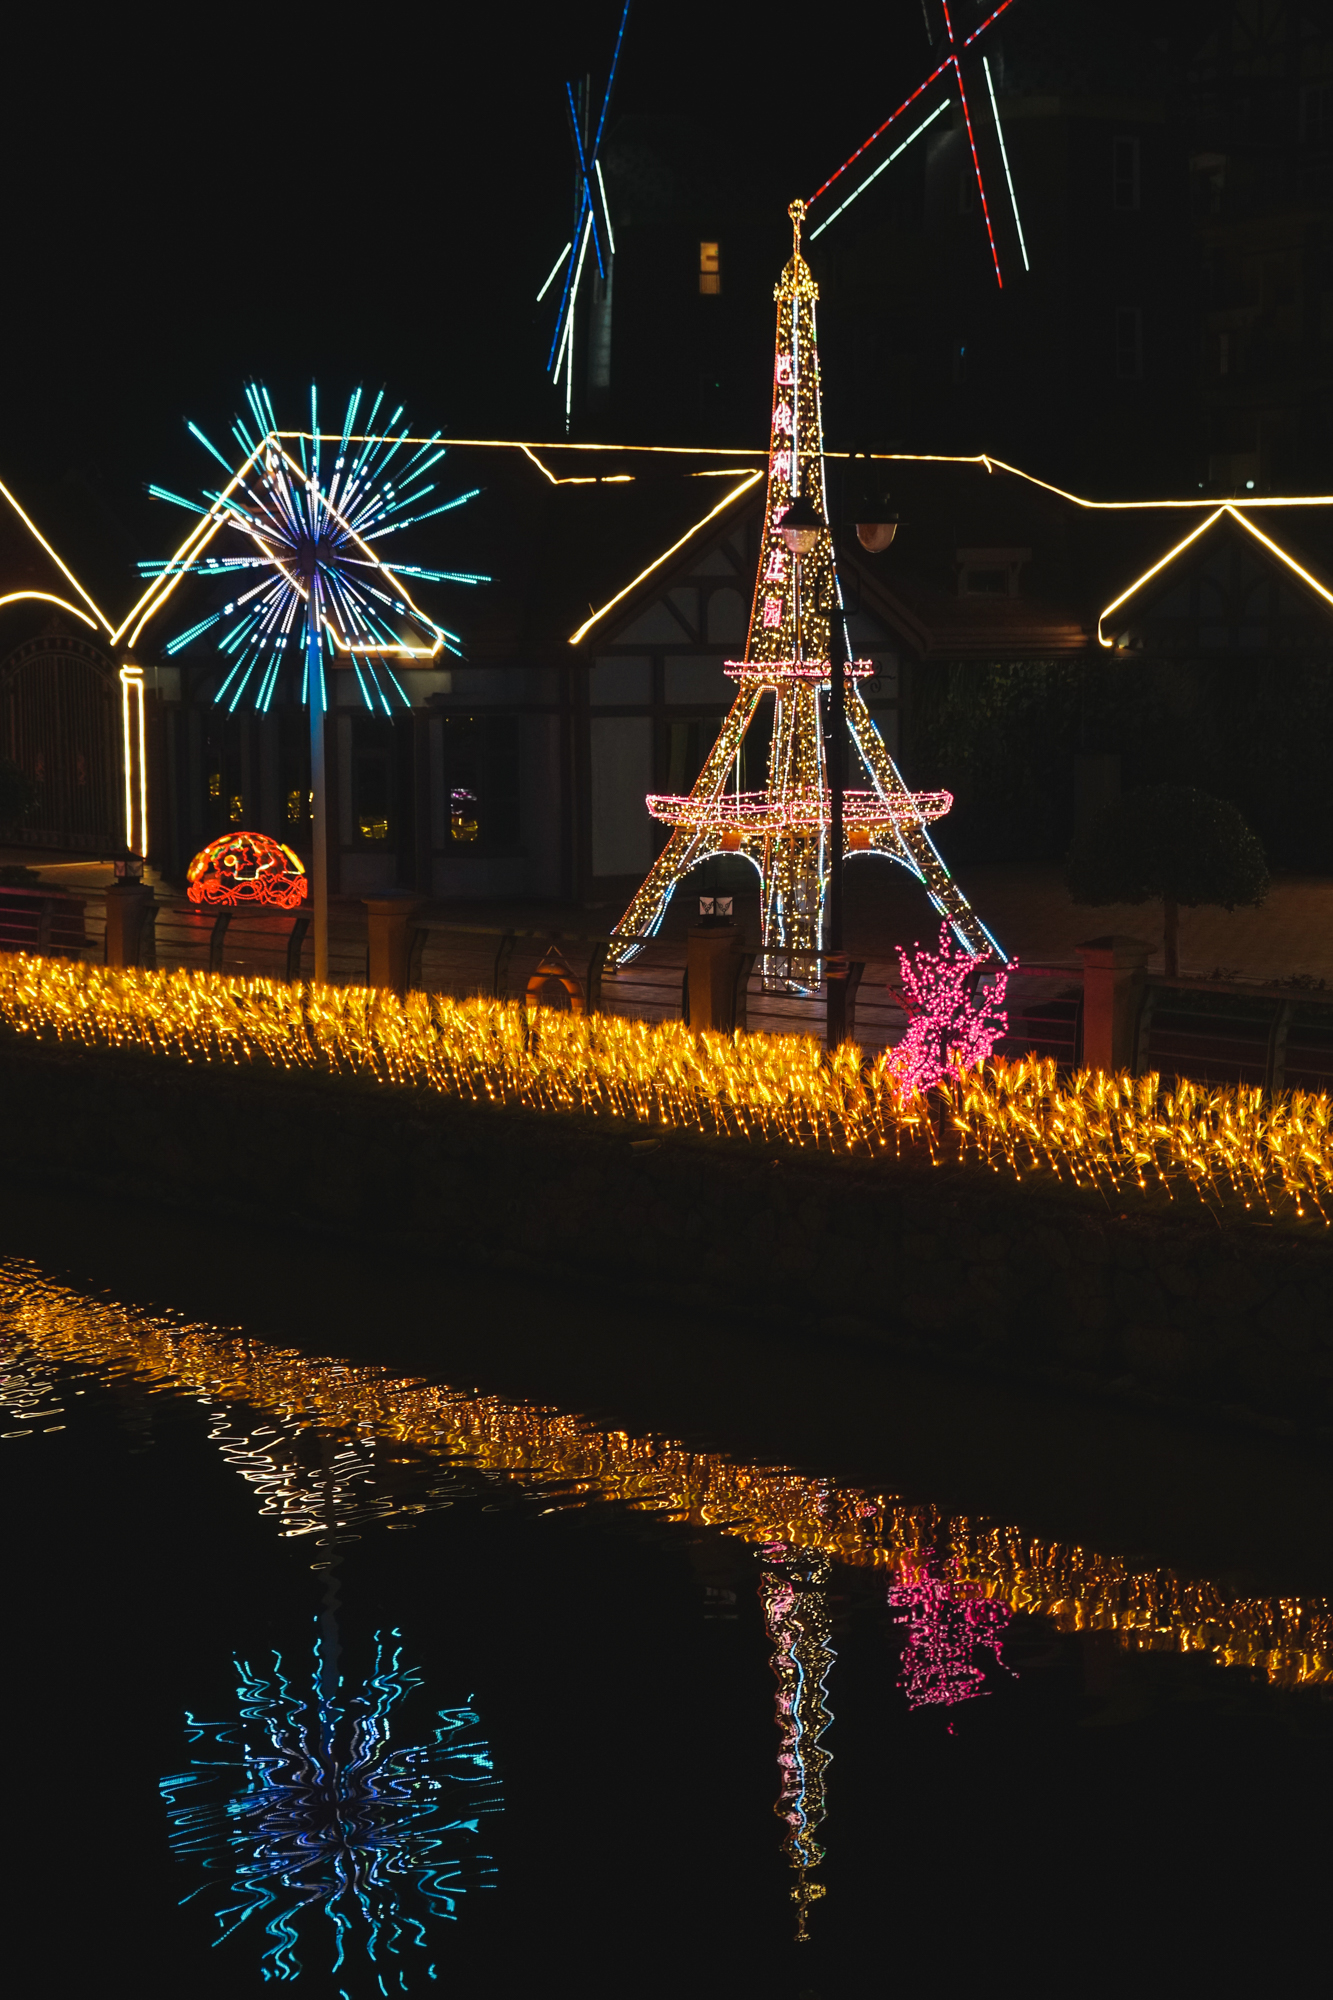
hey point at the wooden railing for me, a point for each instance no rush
(1275, 1036)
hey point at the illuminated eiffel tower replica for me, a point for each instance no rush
(784, 830)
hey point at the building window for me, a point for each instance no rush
(1125, 173)
(481, 780)
(710, 270)
(372, 795)
(990, 572)
(1129, 343)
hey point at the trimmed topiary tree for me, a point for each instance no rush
(1173, 843)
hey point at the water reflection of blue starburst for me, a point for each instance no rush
(303, 1811)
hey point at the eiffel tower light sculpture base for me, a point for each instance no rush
(784, 829)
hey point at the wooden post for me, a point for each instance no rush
(126, 907)
(390, 922)
(711, 956)
(1113, 980)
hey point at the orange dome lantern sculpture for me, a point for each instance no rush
(246, 868)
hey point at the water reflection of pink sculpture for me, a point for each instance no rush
(949, 1622)
(956, 1013)
(246, 868)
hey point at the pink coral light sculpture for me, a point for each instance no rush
(954, 1021)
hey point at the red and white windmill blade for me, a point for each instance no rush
(951, 67)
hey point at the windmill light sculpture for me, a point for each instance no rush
(307, 509)
(592, 224)
(949, 71)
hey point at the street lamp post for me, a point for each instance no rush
(836, 967)
(800, 528)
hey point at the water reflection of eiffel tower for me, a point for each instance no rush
(784, 829)
(793, 1589)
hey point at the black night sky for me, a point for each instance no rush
(197, 199)
(190, 205)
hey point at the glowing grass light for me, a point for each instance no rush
(1112, 1135)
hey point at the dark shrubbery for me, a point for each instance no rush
(1004, 739)
(1172, 843)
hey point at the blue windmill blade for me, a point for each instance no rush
(610, 81)
(589, 172)
(587, 183)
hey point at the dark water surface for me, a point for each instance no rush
(394, 1630)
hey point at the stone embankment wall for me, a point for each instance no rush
(955, 1265)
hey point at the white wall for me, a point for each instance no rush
(622, 776)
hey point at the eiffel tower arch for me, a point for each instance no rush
(783, 830)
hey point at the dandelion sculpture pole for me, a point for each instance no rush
(308, 534)
(319, 820)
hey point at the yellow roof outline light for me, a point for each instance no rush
(49, 597)
(727, 500)
(1259, 536)
(61, 565)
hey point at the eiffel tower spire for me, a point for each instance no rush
(784, 829)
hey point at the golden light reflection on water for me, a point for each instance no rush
(362, 1410)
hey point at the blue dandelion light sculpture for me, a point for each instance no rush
(293, 535)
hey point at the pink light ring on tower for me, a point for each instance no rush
(772, 672)
(758, 813)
